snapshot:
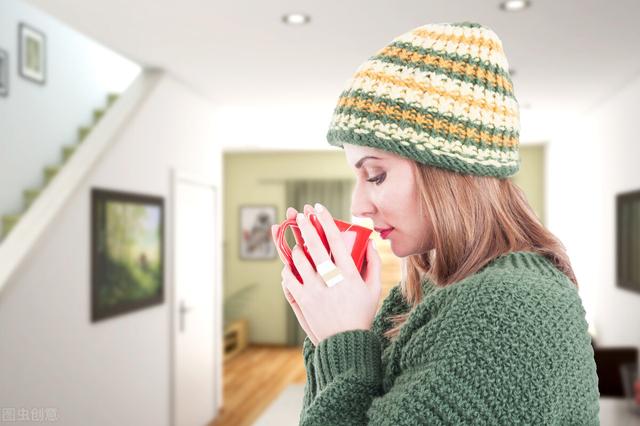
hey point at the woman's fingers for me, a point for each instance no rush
(287, 276)
(303, 322)
(308, 209)
(341, 254)
(291, 213)
(312, 241)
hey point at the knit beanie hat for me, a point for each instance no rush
(439, 94)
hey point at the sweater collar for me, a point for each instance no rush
(525, 260)
(514, 260)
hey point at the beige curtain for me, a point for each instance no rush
(335, 195)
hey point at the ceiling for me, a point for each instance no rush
(568, 55)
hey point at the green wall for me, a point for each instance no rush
(254, 178)
(530, 177)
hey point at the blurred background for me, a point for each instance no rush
(146, 147)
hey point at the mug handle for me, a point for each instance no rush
(285, 250)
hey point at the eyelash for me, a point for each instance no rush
(378, 179)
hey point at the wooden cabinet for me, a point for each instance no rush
(235, 338)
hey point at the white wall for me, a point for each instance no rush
(36, 120)
(594, 159)
(116, 371)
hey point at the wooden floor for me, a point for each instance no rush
(254, 378)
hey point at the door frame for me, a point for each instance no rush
(176, 176)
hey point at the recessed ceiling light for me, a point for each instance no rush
(296, 18)
(514, 5)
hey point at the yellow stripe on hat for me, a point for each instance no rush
(450, 65)
(438, 80)
(412, 84)
(471, 40)
(457, 130)
(391, 131)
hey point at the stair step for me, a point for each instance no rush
(50, 172)
(83, 132)
(97, 115)
(111, 98)
(8, 222)
(67, 152)
(30, 196)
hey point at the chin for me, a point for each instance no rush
(400, 251)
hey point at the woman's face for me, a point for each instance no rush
(386, 192)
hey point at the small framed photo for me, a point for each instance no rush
(32, 50)
(4, 73)
(256, 242)
(127, 259)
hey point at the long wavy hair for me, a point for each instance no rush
(474, 220)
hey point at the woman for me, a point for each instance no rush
(487, 326)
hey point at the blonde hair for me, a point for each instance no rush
(475, 219)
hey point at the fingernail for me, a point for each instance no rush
(319, 207)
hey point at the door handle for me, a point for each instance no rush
(183, 310)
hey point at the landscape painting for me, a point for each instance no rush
(128, 252)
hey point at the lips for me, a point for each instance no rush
(384, 231)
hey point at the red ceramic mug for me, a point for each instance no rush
(354, 236)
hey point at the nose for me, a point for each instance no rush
(361, 204)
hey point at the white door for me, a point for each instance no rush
(196, 303)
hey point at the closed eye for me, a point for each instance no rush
(378, 179)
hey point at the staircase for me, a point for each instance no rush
(50, 171)
(45, 202)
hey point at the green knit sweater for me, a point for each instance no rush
(507, 345)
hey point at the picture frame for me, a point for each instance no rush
(256, 242)
(4, 73)
(127, 252)
(32, 48)
(628, 241)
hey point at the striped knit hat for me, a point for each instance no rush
(439, 94)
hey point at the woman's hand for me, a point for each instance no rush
(291, 213)
(349, 305)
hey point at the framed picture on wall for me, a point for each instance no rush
(628, 240)
(4, 73)
(127, 252)
(32, 48)
(256, 242)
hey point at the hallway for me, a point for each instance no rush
(254, 378)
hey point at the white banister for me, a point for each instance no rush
(25, 234)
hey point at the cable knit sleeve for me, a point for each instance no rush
(308, 349)
(507, 352)
(348, 376)
(350, 359)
